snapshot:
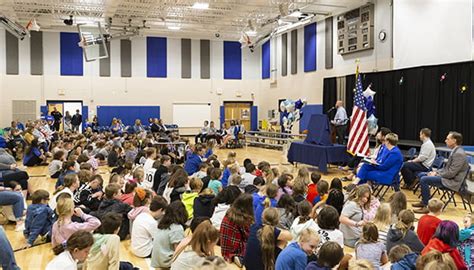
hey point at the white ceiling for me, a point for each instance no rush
(228, 18)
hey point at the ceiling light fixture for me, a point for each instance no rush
(174, 27)
(251, 33)
(200, 5)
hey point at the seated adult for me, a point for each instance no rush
(422, 163)
(388, 164)
(137, 128)
(450, 177)
(154, 127)
(202, 133)
(213, 133)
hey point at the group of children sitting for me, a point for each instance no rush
(260, 218)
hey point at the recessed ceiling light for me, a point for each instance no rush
(174, 27)
(200, 5)
(296, 14)
(251, 33)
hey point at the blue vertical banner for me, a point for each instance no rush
(266, 60)
(254, 118)
(221, 115)
(70, 54)
(156, 54)
(310, 47)
(232, 60)
(85, 116)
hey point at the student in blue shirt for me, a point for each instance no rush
(194, 160)
(294, 256)
(33, 155)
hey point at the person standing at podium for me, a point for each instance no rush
(340, 122)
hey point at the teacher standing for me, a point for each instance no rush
(340, 122)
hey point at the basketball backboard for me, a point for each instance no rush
(92, 41)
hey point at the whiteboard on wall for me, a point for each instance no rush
(191, 115)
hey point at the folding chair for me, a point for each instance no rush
(438, 163)
(379, 190)
(411, 154)
(448, 195)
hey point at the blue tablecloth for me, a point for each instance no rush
(317, 155)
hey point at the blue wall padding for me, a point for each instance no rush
(156, 57)
(309, 110)
(44, 110)
(266, 60)
(254, 118)
(222, 115)
(85, 115)
(71, 55)
(232, 60)
(128, 114)
(310, 47)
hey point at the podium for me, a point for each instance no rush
(319, 130)
(317, 149)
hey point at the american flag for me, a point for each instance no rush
(359, 132)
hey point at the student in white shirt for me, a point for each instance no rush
(145, 227)
(202, 133)
(71, 183)
(76, 250)
(150, 158)
(248, 176)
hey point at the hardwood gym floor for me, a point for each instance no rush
(38, 257)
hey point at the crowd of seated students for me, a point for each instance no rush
(260, 217)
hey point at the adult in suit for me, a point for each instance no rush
(451, 176)
(390, 160)
(76, 121)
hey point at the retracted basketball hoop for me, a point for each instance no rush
(92, 41)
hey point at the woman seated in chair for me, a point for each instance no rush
(388, 164)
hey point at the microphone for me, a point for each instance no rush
(332, 109)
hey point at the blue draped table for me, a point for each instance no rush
(317, 155)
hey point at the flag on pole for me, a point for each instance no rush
(359, 132)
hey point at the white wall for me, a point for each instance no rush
(137, 90)
(432, 32)
(310, 85)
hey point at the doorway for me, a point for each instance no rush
(64, 106)
(238, 110)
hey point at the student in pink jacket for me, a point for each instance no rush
(64, 227)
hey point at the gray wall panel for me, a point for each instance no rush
(11, 53)
(294, 51)
(36, 53)
(186, 58)
(329, 43)
(104, 64)
(126, 57)
(205, 59)
(284, 54)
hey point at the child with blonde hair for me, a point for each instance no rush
(64, 227)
